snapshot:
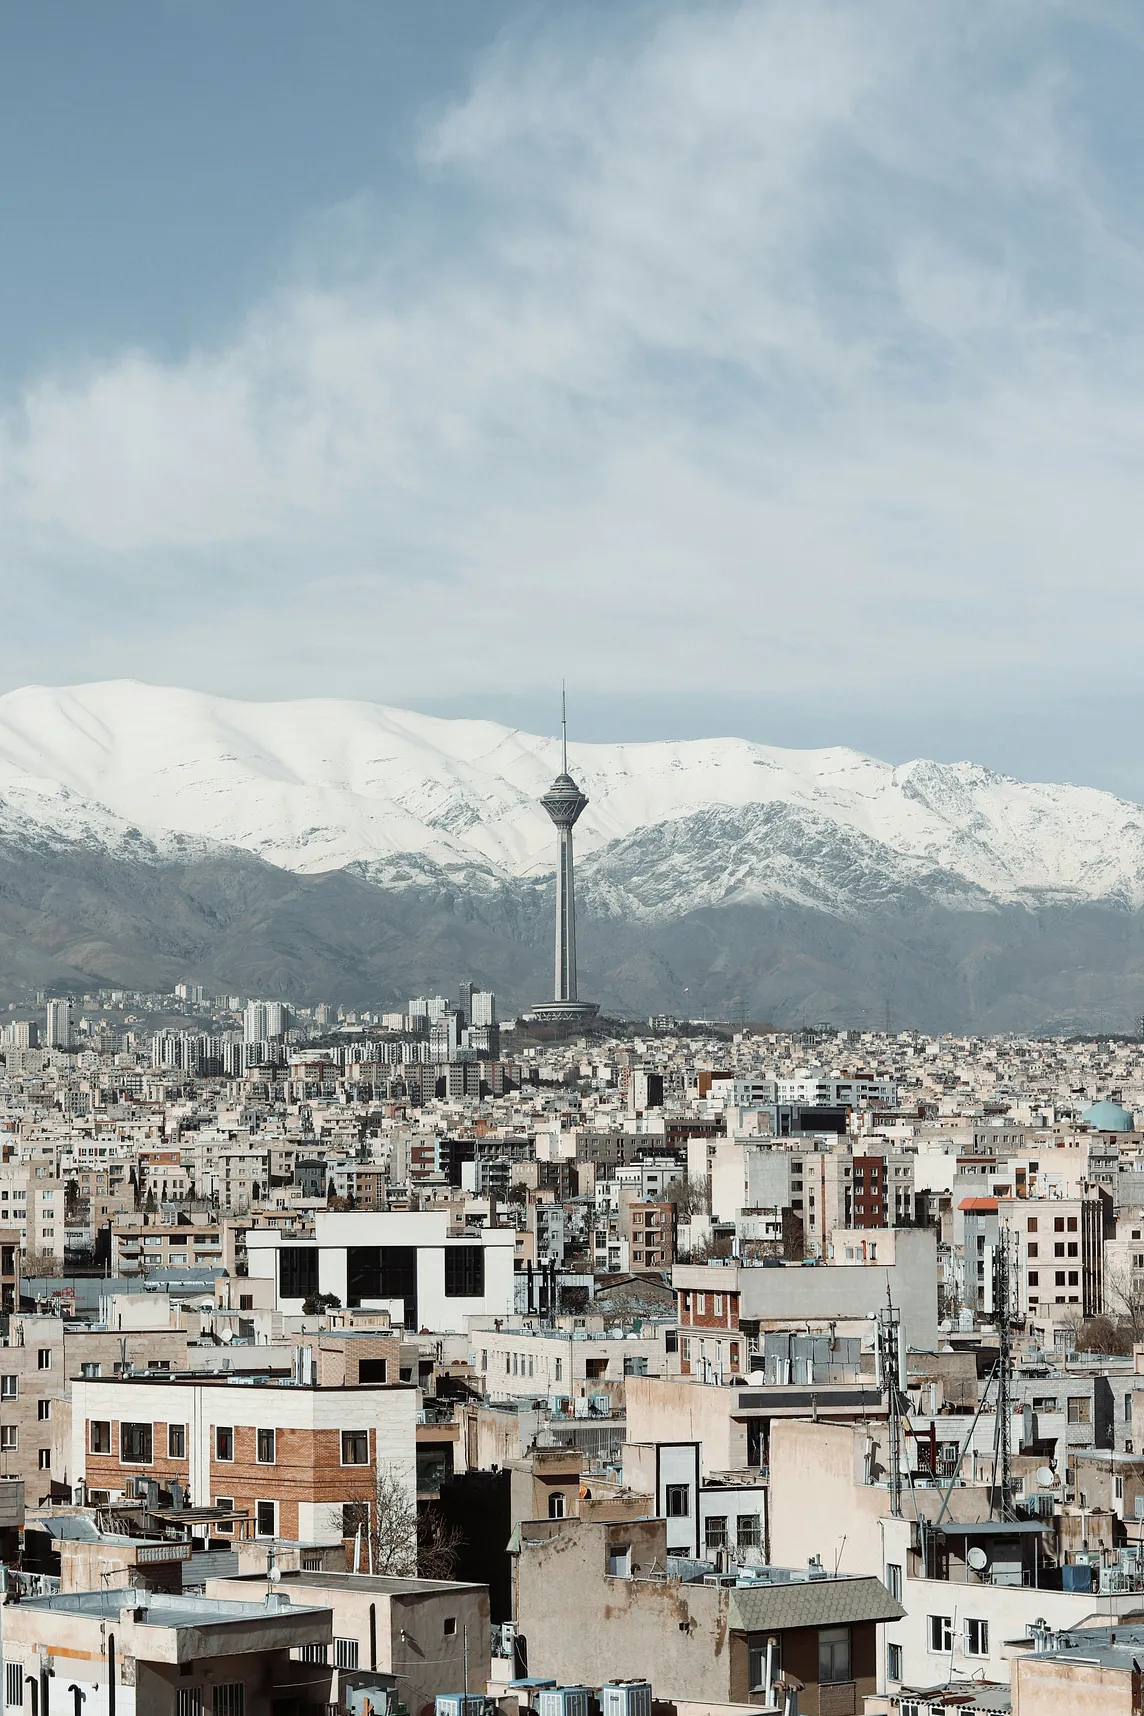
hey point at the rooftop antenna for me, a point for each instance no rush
(563, 730)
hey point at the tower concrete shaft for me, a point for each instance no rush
(564, 803)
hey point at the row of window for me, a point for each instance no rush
(10, 1442)
(137, 1443)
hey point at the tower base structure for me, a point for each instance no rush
(564, 1012)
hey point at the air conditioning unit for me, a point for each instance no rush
(562, 1701)
(460, 1704)
(626, 1698)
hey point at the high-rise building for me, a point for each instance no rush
(58, 1030)
(262, 1021)
(564, 803)
(482, 1008)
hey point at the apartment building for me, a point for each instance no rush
(298, 1458)
(139, 1246)
(409, 1263)
(1059, 1251)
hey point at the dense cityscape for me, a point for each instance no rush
(571, 859)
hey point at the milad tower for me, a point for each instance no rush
(564, 802)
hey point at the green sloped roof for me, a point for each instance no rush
(810, 1603)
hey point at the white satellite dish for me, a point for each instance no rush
(946, 1326)
(1046, 1477)
(756, 1379)
(977, 1559)
(226, 1336)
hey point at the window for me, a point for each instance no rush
(265, 1519)
(373, 1370)
(1034, 1278)
(89, 1370)
(464, 1271)
(1031, 1224)
(1031, 1250)
(893, 1662)
(450, 1626)
(748, 1532)
(619, 1560)
(44, 1358)
(1058, 1224)
(246, 1301)
(977, 1638)
(715, 1532)
(14, 1683)
(188, 1701)
(229, 1699)
(559, 1370)
(940, 1633)
(43, 1410)
(757, 1660)
(1080, 1410)
(297, 1271)
(99, 1436)
(1128, 1407)
(833, 1655)
(9, 1387)
(677, 1500)
(345, 1653)
(355, 1447)
(556, 1505)
(176, 1441)
(45, 1459)
(894, 1580)
(135, 1443)
(265, 1447)
(225, 1504)
(355, 1518)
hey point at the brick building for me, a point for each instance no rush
(300, 1458)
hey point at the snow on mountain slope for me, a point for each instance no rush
(320, 784)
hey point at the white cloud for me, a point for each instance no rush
(799, 341)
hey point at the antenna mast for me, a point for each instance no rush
(563, 730)
(1003, 1428)
(891, 1375)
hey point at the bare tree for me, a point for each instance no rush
(396, 1539)
(690, 1196)
(1124, 1299)
(438, 1545)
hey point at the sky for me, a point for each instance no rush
(769, 369)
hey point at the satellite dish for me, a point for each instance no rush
(274, 1574)
(757, 1379)
(977, 1559)
(945, 1326)
(226, 1336)
(1046, 1477)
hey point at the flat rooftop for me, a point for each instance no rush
(384, 1584)
(160, 1609)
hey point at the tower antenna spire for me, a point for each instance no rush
(563, 730)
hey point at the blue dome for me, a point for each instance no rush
(1107, 1117)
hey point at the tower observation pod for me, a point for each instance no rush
(564, 803)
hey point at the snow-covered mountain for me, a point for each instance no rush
(411, 801)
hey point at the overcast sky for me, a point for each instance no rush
(771, 369)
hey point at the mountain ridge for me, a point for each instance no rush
(318, 785)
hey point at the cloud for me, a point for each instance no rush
(786, 343)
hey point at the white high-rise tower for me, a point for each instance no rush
(564, 803)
